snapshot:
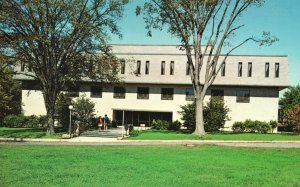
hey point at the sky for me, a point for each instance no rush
(279, 17)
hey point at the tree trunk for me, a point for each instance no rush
(50, 122)
(50, 99)
(199, 130)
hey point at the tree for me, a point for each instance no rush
(62, 41)
(290, 98)
(10, 92)
(204, 28)
(290, 108)
(293, 118)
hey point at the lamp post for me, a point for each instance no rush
(70, 108)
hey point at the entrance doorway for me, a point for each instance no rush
(140, 117)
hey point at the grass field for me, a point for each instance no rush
(40, 165)
(26, 133)
(167, 135)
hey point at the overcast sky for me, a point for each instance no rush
(281, 18)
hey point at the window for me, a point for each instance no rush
(163, 64)
(223, 69)
(119, 92)
(167, 93)
(73, 91)
(138, 67)
(240, 69)
(143, 93)
(172, 68)
(243, 96)
(267, 69)
(147, 67)
(276, 70)
(122, 66)
(217, 94)
(189, 94)
(187, 68)
(96, 91)
(249, 69)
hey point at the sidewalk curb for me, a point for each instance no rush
(116, 140)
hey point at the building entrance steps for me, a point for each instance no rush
(110, 133)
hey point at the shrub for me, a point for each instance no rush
(174, 126)
(160, 124)
(188, 116)
(215, 114)
(238, 126)
(20, 121)
(252, 126)
(83, 112)
(134, 133)
(15, 121)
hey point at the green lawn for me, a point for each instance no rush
(49, 165)
(167, 135)
(26, 133)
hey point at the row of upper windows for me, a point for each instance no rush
(242, 96)
(223, 68)
(147, 67)
(172, 64)
(249, 71)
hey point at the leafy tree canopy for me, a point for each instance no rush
(290, 98)
(62, 41)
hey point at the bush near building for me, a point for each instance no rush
(253, 126)
(215, 114)
(21, 121)
(83, 113)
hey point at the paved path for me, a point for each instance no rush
(115, 141)
(113, 137)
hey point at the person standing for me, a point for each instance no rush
(106, 122)
(100, 123)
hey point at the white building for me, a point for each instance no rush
(156, 84)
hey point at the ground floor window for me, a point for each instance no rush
(119, 92)
(96, 91)
(142, 93)
(167, 93)
(217, 94)
(243, 96)
(189, 94)
(73, 91)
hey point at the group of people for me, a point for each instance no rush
(103, 123)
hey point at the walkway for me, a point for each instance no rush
(114, 137)
(115, 141)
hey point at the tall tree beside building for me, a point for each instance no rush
(62, 41)
(10, 92)
(204, 28)
(290, 108)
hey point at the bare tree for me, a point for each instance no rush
(62, 41)
(204, 28)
